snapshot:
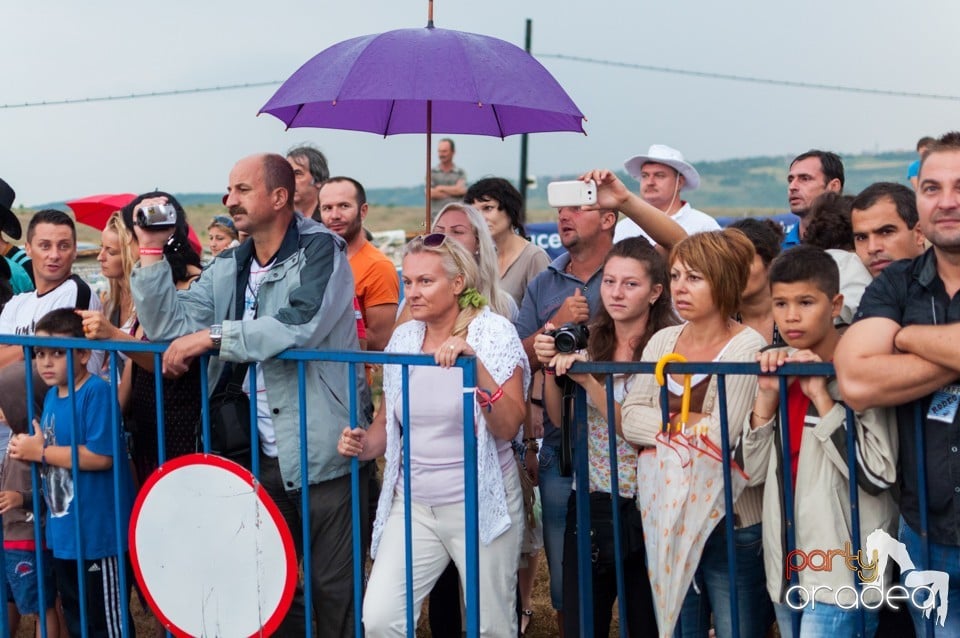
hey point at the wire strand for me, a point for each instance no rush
(137, 96)
(752, 79)
(556, 56)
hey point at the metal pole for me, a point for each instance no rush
(522, 186)
(426, 225)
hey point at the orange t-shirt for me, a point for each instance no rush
(375, 278)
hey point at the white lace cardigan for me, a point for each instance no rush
(497, 345)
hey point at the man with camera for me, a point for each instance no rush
(568, 292)
(281, 290)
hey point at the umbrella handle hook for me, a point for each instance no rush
(659, 373)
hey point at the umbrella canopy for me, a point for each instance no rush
(427, 80)
(95, 210)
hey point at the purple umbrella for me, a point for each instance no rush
(425, 81)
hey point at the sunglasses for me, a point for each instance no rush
(433, 240)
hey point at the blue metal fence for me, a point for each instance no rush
(467, 364)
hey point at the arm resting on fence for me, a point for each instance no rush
(865, 358)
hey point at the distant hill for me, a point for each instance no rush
(761, 182)
(748, 183)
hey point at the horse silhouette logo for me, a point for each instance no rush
(883, 547)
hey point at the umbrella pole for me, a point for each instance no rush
(426, 228)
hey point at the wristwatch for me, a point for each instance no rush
(216, 335)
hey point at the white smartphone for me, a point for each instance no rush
(572, 193)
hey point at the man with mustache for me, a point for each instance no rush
(283, 288)
(902, 353)
(663, 173)
(885, 230)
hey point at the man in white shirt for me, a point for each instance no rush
(52, 245)
(663, 173)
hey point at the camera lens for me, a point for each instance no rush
(565, 342)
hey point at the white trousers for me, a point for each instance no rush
(438, 537)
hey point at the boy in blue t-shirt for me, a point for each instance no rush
(103, 553)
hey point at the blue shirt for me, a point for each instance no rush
(545, 294)
(792, 237)
(93, 495)
(914, 169)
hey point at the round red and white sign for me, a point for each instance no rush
(210, 550)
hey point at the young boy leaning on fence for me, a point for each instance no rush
(805, 287)
(92, 498)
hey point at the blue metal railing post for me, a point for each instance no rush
(119, 492)
(615, 503)
(356, 522)
(471, 500)
(729, 522)
(786, 470)
(304, 492)
(37, 497)
(75, 476)
(924, 532)
(851, 426)
(582, 500)
(254, 421)
(205, 404)
(407, 496)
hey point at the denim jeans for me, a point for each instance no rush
(554, 493)
(711, 578)
(943, 558)
(825, 620)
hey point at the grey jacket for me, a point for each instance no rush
(822, 508)
(305, 301)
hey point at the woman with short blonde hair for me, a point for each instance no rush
(450, 318)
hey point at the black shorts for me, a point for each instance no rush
(104, 611)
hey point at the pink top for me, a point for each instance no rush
(436, 441)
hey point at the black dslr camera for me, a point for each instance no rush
(570, 337)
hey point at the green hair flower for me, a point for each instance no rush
(471, 297)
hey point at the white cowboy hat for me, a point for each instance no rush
(662, 154)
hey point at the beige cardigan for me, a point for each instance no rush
(642, 416)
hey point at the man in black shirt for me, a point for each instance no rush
(902, 352)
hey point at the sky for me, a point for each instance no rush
(59, 49)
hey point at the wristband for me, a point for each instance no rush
(151, 251)
(550, 370)
(486, 400)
